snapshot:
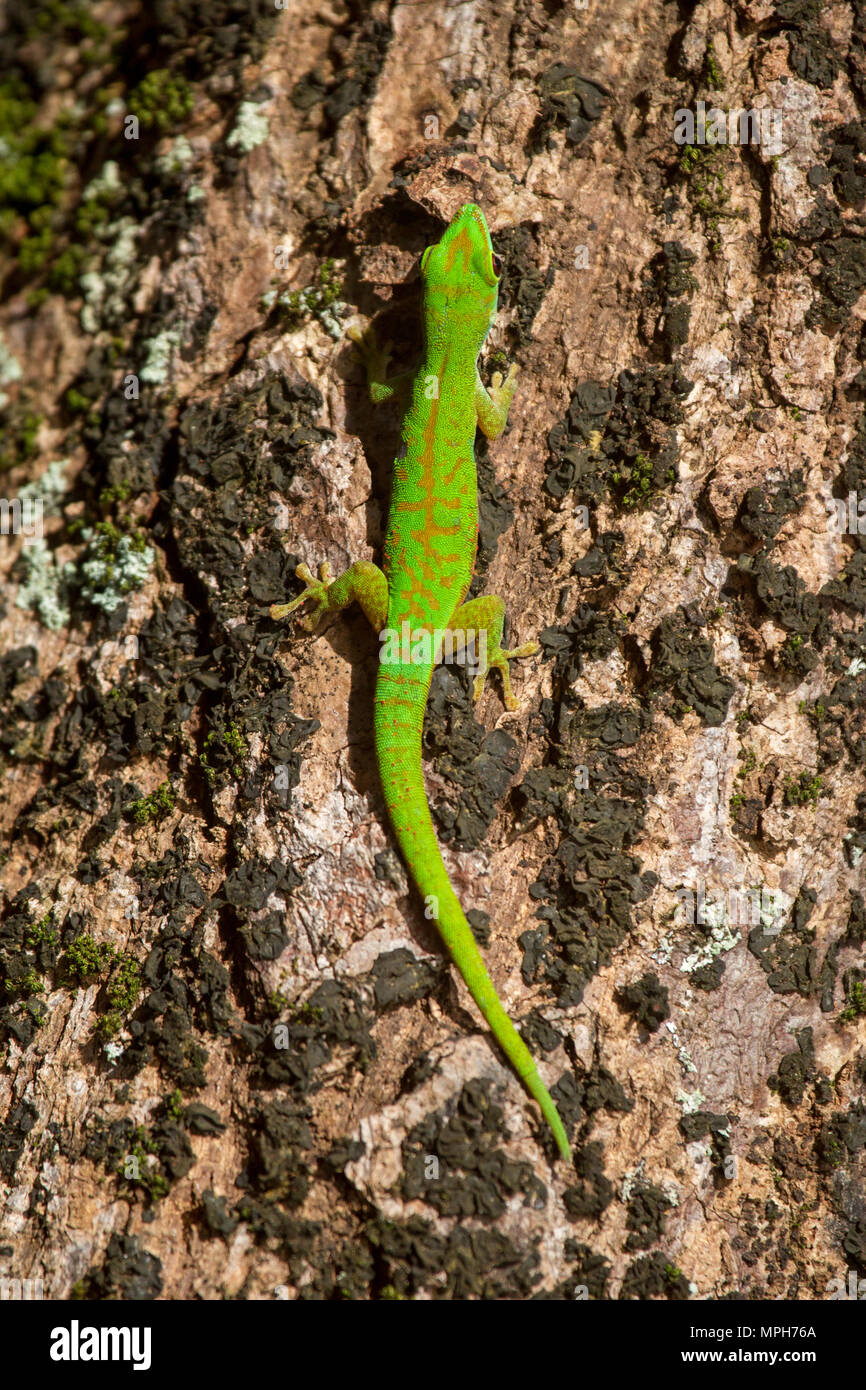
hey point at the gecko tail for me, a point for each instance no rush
(401, 696)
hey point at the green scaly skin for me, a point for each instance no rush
(429, 555)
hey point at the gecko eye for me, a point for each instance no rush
(497, 265)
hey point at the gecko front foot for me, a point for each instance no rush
(375, 356)
(501, 392)
(376, 359)
(316, 589)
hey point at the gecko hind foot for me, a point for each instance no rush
(316, 589)
(500, 659)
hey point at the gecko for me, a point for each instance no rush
(428, 560)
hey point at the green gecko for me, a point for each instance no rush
(429, 556)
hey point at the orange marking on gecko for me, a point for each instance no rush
(460, 244)
(448, 479)
(451, 502)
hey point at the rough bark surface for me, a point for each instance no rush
(235, 1063)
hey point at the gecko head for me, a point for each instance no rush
(461, 271)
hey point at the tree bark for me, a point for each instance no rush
(236, 1063)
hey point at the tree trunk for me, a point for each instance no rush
(237, 1063)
